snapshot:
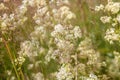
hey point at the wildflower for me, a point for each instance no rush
(66, 14)
(38, 76)
(59, 28)
(111, 35)
(20, 60)
(2, 6)
(13, 78)
(77, 32)
(105, 19)
(30, 66)
(3, 26)
(98, 8)
(65, 73)
(22, 9)
(70, 16)
(92, 77)
(113, 7)
(38, 32)
(29, 49)
(9, 72)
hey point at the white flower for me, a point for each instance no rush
(12, 16)
(22, 9)
(93, 76)
(38, 32)
(114, 24)
(108, 6)
(34, 2)
(65, 73)
(115, 8)
(9, 72)
(30, 66)
(62, 44)
(105, 19)
(77, 32)
(31, 2)
(64, 9)
(111, 35)
(20, 60)
(2, 6)
(38, 76)
(70, 15)
(66, 13)
(29, 49)
(3, 26)
(98, 8)
(59, 28)
(13, 78)
(54, 33)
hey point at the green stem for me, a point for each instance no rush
(11, 58)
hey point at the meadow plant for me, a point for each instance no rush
(46, 40)
(111, 10)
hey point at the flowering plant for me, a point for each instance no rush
(51, 40)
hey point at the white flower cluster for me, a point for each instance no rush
(113, 18)
(38, 76)
(65, 73)
(65, 38)
(6, 22)
(3, 7)
(20, 60)
(38, 33)
(29, 49)
(69, 32)
(55, 38)
(11, 21)
(34, 3)
(52, 36)
(90, 77)
(98, 8)
(86, 50)
(42, 15)
(111, 35)
(105, 19)
(114, 65)
(65, 15)
(53, 13)
(113, 7)
(54, 47)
